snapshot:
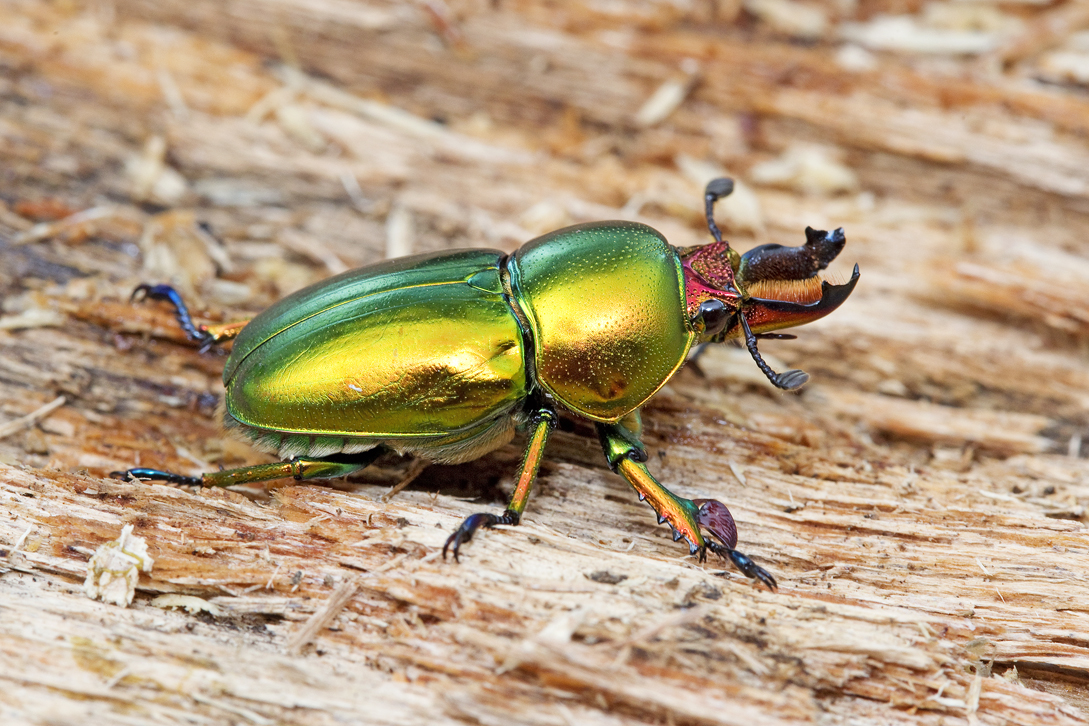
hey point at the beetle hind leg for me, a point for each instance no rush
(206, 335)
(300, 469)
(544, 420)
(144, 474)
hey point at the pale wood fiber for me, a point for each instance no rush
(922, 502)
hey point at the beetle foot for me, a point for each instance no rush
(155, 475)
(745, 564)
(472, 523)
(716, 519)
(197, 333)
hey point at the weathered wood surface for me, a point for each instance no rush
(922, 502)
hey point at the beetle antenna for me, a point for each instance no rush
(787, 380)
(716, 189)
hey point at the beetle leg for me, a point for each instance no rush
(626, 456)
(472, 523)
(141, 474)
(693, 360)
(544, 420)
(716, 519)
(223, 332)
(206, 335)
(743, 563)
(300, 469)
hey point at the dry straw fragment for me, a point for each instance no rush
(31, 418)
(321, 619)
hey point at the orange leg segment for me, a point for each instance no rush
(544, 420)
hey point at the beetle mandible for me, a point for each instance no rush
(445, 355)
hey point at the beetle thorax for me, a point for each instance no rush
(605, 305)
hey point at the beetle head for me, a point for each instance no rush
(768, 288)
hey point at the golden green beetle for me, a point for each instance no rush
(446, 355)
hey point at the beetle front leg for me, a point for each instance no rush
(544, 420)
(626, 456)
(745, 564)
(716, 519)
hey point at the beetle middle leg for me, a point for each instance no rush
(544, 420)
(300, 469)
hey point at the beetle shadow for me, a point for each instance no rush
(484, 480)
(488, 480)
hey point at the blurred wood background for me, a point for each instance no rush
(921, 502)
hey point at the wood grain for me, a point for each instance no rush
(921, 502)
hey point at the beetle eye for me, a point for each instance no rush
(713, 314)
